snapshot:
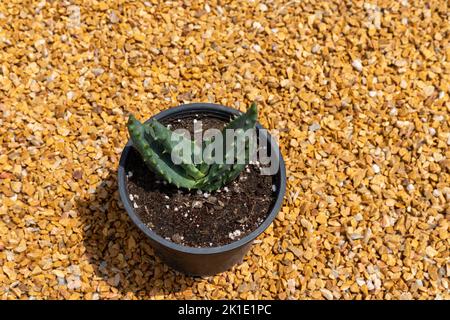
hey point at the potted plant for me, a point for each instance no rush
(201, 202)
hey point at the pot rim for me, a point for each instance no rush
(201, 108)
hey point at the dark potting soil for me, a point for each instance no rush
(194, 218)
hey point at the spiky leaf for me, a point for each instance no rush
(154, 157)
(174, 144)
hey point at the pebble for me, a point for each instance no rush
(357, 65)
(327, 294)
(428, 90)
(403, 84)
(197, 204)
(376, 169)
(177, 238)
(436, 193)
(314, 127)
(263, 7)
(316, 49)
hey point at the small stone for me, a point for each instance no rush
(406, 296)
(263, 7)
(431, 252)
(314, 127)
(211, 199)
(113, 18)
(322, 218)
(257, 48)
(197, 204)
(235, 234)
(77, 174)
(327, 294)
(16, 186)
(177, 238)
(390, 202)
(403, 84)
(436, 193)
(61, 281)
(438, 117)
(256, 25)
(357, 65)
(294, 143)
(306, 224)
(410, 187)
(376, 169)
(315, 48)
(400, 63)
(59, 273)
(428, 90)
(285, 83)
(98, 71)
(360, 281)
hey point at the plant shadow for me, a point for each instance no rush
(123, 260)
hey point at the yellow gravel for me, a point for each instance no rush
(360, 89)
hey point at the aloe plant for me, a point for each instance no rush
(158, 145)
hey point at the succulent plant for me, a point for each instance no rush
(158, 147)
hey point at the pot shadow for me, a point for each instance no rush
(120, 253)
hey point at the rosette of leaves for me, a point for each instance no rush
(160, 148)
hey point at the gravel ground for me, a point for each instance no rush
(360, 89)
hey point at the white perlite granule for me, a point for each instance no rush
(233, 235)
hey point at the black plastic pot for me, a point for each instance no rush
(212, 260)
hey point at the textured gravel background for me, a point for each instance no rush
(361, 90)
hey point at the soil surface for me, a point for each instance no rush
(194, 218)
